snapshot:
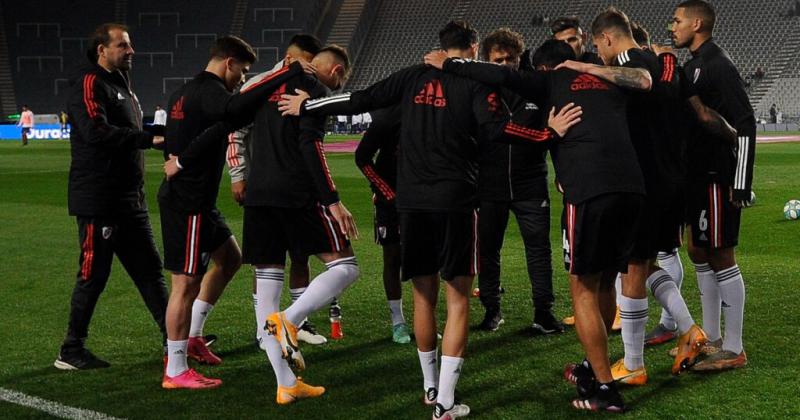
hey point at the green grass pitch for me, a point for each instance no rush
(507, 374)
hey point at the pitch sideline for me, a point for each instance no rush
(50, 407)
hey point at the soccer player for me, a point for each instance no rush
(106, 195)
(568, 29)
(649, 119)
(240, 161)
(513, 177)
(443, 119)
(292, 206)
(26, 122)
(597, 168)
(193, 229)
(721, 181)
(382, 138)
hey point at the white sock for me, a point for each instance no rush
(451, 370)
(430, 369)
(340, 274)
(667, 294)
(176, 357)
(731, 290)
(396, 309)
(633, 314)
(709, 297)
(618, 286)
(671, 263)
(200, 312)
(269, 285)
(295, 294)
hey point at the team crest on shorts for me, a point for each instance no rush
(107, 231)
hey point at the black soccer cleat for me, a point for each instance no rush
(605, 398)
(79, 359)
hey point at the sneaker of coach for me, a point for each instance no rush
(79, 359)
(492, 320)
(544, 322)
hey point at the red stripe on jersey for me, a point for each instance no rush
(376, 180)
(669, 68)
(526, 133)
(233, 159)
(266, 79)
(324, 163)
(88, 95)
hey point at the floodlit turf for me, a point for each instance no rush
(508, 374)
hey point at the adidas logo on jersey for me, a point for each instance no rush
(431, 94)
(176, 113)
(587, 82)
(276, 96)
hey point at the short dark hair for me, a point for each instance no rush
(503, 39)
(552, 53)
(704, 9)
(340, 54)
(640, 34)
(230, 46)
(101, 36)
(457, 34)
(564, 23)
(306, 42)
(612, 19)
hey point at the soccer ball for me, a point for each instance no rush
(791, 210)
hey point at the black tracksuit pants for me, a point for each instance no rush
(130, 237)
(534, 225)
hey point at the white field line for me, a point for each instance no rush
(50, 407)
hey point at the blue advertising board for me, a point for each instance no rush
(38, 132)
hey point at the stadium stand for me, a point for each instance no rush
(45, 40)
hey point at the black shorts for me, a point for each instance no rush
(598, 234)
(439, 242)
(660, 228)
(387, 224)
(713, 218)
(190, 238)
(271, 232)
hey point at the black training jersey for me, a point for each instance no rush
(106, 172)
(199, 144)
(595, 156)
(382, 137)
(651, 116)
(287, 165)
(443, 117)
(511, 171)
(710, 73)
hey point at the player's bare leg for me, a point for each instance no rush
(426, 295)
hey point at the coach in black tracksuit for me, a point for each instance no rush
(106, 192)
(513, 177)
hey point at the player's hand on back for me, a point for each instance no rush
(344, 219)
(238, 189)
(291, 104)
(436, 58)
(171, 166)
(567, 117)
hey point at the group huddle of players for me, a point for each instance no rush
(641, 147)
